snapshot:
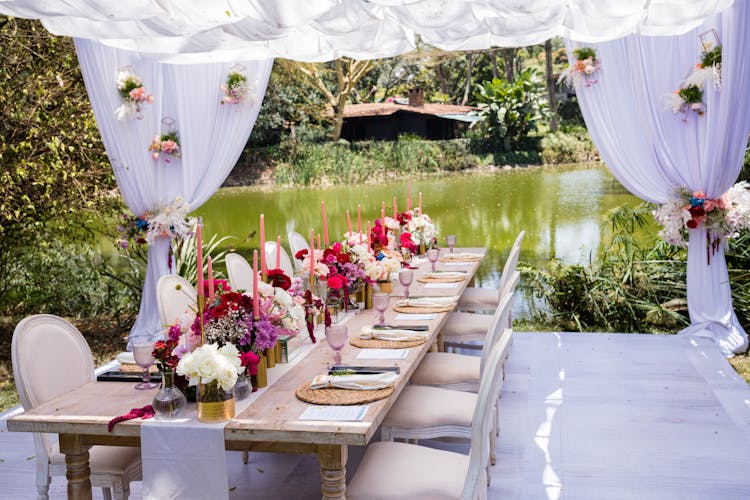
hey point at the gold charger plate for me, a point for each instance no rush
(385, 344)
(422, 310)
(333, 396)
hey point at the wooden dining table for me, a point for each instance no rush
(271, 423)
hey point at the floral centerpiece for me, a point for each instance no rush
(722, 217)
(167, 144)
(133, 94)
(584, 69)
(311, 305)
(417, 230)
(236, 88)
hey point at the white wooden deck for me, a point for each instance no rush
(584, 416)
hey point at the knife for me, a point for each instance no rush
(364, 370)
(413, 328)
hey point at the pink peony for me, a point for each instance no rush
(168, 147)
(138, 94)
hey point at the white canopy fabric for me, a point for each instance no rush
(653, 152)
(320, 30)
(212, 136)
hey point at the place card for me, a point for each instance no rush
(383, 354)
(335, 413)
(440, 285)
(457, 264)
(417, 317)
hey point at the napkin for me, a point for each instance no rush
(391, 334)
(462, 255)
(144, 413)
(357, 382)
(428, 301)
(446, 274)
(125, 358)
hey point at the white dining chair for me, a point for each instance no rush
(391, 470)
(284, 263)
(486, 299)
(174, 297)
(297, 242)
(50, 358)
(463, 329)
(240, 273)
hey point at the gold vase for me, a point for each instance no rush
(367, 290)
(421, 250)
(277, 351)
(260, 380)
(214, 403)
(385, 286)
(270, 357)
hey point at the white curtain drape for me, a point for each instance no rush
(653, 152)
(321, 30)
(212, 136)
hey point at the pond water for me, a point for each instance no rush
(560, 209)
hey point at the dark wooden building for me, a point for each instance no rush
(386, 121)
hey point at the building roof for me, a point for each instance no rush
(450, 111)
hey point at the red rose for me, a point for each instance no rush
(279, 279)
(344, 258)
(301, 254)
(336, 282)
(692, 224)
(697, 211)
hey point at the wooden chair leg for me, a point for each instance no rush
(245, 457)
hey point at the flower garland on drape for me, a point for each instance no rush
(689, 96)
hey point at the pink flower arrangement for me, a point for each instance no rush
(583, 70)
(168, 144)
(133, 94)
(235, 89)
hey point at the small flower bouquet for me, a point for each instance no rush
(167, 144)
(131, 228)
(236, 88)
(687, 98)
(583, 70)
(722, 217)
(171, 220)
(311, 305)
(133, 94)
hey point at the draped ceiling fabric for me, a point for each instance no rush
(212, 136)
(652, 152)
(321, 30)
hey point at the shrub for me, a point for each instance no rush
(559, 147)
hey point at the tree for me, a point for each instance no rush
(509, 111)
(55, 174)
(336, 87)
(551, 95)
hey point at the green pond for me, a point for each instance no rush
(560, 209)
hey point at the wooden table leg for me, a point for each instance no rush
(440, 342)
(77, 465)
(332, 459)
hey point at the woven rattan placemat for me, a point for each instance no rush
(422, 310)
(462, 259)
(430, 279)
(385, 344)
(332, 396)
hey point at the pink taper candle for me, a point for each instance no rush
(278, 252)
(199, 255)
(325, 222)
(210, 276)
(312, 253)
(256, 295)
(319, 247)
(349, 223)
(420, 202)
(395, 208)
(382, 219)
(368, 234)
(408, 196)
(263, 266)
(359, 218)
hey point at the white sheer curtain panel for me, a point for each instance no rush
(653, 152)
(212, 136)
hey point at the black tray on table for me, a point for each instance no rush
(118, 376)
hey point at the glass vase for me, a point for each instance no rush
(169, 401)
(215, 404)
(242, 388)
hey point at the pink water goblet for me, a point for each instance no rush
(450, 240)
(336, 336)
(405, 277)
(380, 303)
(432, 255)
(143, 353)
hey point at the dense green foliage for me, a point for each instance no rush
(55, 178)
(510, 111)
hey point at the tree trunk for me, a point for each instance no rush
(493, 57)
(509, 55)
(467, 88)
(550, 85)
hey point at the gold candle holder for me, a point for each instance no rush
(260, 380)
(270, 356)
(367, 289)
(277, 351)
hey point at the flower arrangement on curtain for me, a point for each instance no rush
(133, 94)
(723, 217)
(236, 88)
(689, 96)
(167, 144)
(583, 70)
(171, 220)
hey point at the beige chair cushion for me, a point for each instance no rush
(479, 299)
(444, 368)
(461, 324)
(110, 460)
(410, 472)
(420, 406)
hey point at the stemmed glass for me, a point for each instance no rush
(432, 256)
(336, 336)
(143, 353)
(450, 240)
(404, 277)
(380, 303)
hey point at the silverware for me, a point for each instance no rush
(413, 328)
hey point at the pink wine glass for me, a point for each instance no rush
(404, 277)
(450, 240)
(336, 336)
(432, 256)
(380, 303)
(143, 353)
